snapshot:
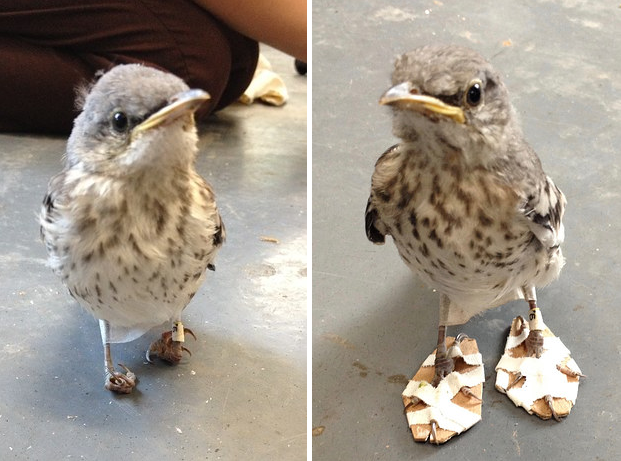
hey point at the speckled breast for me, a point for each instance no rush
(458, 229)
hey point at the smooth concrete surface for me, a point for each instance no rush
(373, 323)
(242, 393)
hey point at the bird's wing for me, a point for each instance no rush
(384, 174)
(207, 199)
(49, 209)
(370, 219)
(219, 235)
(544, 211)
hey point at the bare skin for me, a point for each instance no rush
(278, 23)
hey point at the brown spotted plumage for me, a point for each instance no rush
(129, 225)
(463, 196)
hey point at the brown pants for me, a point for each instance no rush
(49, 47)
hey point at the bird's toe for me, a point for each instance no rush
(168, 349)
(550, 402)
(121, 383)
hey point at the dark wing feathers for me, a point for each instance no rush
(370, 218)
(218, 238)
(49, 214)
(220, 235)
(544, 211)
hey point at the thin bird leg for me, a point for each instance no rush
(443, 364)
(170, 346)
(534, 341)
(123, 383)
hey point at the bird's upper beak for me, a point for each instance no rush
(406, 96)
(184, 103)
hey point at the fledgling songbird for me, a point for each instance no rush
(464, 196)
(129, 225)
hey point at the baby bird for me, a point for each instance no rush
(464, 196)
(129, 225)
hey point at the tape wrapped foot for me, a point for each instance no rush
(435, 414)
(544, 384)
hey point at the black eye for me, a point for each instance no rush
(120, 121)
(473, 95)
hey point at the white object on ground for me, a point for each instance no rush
(266, 86)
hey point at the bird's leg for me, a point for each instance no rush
(534, 341)
(443, 364)
(123, 383)
(170, 346)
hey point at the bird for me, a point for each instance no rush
(463, 195)
(129, 226)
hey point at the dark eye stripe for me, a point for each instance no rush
(451, 99)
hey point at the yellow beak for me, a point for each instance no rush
(402, 95)
(185, 103)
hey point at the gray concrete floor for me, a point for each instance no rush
(242, 393)
(372, 322)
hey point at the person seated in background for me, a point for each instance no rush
(48, 48)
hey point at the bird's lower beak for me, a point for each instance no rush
(404, 95)
(184, 103)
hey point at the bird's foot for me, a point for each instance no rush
(437, 412)
(444, 366)
(534, 344)
(445, 362)
(121, 383)
(537, 372)
(168, 349)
